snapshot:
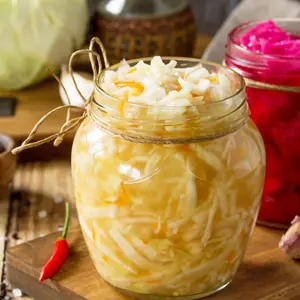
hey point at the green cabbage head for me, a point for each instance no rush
(36, 35)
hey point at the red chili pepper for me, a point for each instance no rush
(60, 253)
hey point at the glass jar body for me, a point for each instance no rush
(165, 220)
(277, 116)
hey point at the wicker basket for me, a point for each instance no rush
(171, 35)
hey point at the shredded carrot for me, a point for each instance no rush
(125, 96)
(214, 79)
(131, 70)
(122, 198)
(137, 86)
(184, 147)
(93, 234)
(242, 234)
(231, 256)
(160, 133)
(122, 103)
(153, 281)
(123, 202)
(194, 95)
(121, 107)
(144, 273)
(145, 242)
(164, 228)
(178, 87)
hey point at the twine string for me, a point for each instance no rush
(97, 41)
(70, 124)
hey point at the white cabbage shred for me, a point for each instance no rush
(164, 84)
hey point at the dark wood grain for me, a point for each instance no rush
(266, 273)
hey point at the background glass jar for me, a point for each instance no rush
(276, 112)
(167, 197)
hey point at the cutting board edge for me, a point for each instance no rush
(19, 272)
(30, 286)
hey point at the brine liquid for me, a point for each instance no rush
(170, 220)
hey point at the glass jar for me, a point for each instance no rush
(134, 28)
(141, 9)
(167, 205)
(275, 108)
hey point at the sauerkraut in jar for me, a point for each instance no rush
(168, 172)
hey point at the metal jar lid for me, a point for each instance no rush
(137, 9)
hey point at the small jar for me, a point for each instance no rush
(273, 95)
(167, 205)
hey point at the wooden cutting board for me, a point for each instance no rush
(266, 273)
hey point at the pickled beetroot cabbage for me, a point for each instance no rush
(276, 113)
(268, 38)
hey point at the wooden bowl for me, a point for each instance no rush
(8, 161)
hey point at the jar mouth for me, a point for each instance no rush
(239, 79)
(156, 123)
(244, 26)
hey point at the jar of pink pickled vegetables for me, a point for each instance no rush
(267, 54)
(168, 173)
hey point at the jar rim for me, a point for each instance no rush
(196, 125)
(233, 34)
(242, 83)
